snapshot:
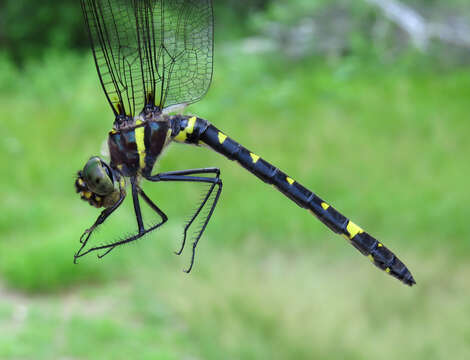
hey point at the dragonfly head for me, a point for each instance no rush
(98, 184)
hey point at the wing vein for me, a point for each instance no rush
(151, 52)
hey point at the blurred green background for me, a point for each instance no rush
(359, 103)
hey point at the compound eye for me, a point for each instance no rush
(97, 177)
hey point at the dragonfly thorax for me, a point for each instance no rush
(134, 149)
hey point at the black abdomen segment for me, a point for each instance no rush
(193, 130)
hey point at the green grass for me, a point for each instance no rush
(386, 147)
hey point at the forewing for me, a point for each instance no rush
(185, 57)
(156, 52)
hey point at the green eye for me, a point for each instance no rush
(97, 177)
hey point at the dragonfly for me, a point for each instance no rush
(151, 57)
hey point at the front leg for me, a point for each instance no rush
(136, 191)
(101, 219)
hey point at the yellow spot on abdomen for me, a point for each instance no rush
(183, 134)
(191, 123)
(222, 138)
(379, 245)
(289, 180)
(139, 139)
(254, 157)
(181, 137)
(353, 229)
(387, 270)
(325, 206)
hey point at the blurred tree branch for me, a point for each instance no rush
(419, 30)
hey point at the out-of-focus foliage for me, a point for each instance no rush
(338, 28)
(326, 28)
(28, 27)
(291, 11)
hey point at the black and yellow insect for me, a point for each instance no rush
(152, 55)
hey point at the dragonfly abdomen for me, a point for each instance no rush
(193, 130)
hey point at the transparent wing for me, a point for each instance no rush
(151, 52)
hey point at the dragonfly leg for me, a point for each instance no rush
(101, 219)
(136, 191)
(187, 176)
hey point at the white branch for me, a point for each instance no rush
(407, 18)
(419, 30)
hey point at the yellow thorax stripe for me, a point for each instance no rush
(139, 139)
